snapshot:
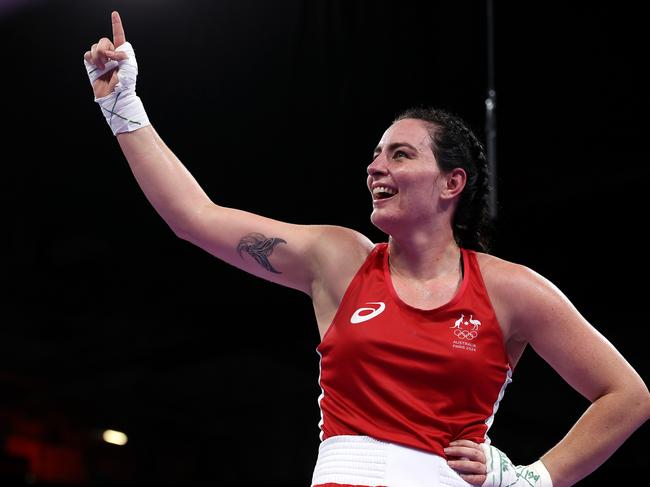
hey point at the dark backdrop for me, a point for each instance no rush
(110, 321)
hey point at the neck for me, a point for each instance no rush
(424, 257)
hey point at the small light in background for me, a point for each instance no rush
(115, 437)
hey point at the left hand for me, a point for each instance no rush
(468, 460)
(102, 53)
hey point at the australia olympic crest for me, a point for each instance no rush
(465, 329)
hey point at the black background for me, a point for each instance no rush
(110, 321)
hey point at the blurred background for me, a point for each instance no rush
(111, 322)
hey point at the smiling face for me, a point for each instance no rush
(406, 183)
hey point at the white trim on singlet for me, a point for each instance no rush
(322, 395)
(490, 420)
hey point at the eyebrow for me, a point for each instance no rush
(394, 146)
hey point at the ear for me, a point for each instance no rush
(454, 183)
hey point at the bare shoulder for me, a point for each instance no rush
(534, 306)
(341, 249)
(540, 314)
(516, 291)
(502, 277)
(501, 273)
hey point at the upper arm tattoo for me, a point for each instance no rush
(260, 248)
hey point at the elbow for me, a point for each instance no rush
(646, 406)
(187, 224)
(631, 400)
(642, 399)
(639, 400)
(182, 231)
(180, 227)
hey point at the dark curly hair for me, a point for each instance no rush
(455, 146)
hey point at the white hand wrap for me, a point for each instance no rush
(502, 473)
(122, 109)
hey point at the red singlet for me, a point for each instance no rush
(419, 378)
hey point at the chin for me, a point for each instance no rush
(382, 222)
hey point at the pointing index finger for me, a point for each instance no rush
(118, 31)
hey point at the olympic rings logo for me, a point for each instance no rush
(465, 334)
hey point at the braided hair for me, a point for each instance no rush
(455, 146)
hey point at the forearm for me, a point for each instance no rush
(167, 184)
(606, 424)
(165, 181)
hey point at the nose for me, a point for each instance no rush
(378, 166)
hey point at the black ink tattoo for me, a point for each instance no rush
(260, 248)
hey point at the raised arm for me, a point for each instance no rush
(287, 254)
(620, 401)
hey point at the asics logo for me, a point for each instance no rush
(357, 317)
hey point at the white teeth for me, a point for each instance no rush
(383, 189)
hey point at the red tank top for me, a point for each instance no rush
(420, 378)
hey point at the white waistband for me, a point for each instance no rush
(364, 461)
